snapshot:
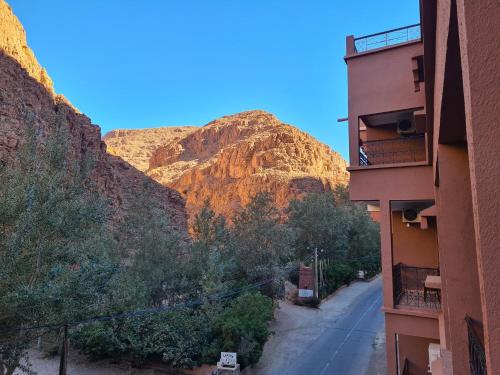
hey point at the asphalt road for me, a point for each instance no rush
(346, 346)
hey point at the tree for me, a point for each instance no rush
(155, 253)
(261, 243)
(341, 229)
(53, 241)
(319, 223)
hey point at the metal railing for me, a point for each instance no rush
(387, 38)
(477, 357)
(406, 367)
(409, 287)
(392, 151)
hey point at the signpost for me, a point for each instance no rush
(228, 359)
(228, 364)
(306, 293)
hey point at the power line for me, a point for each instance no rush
(154, 310)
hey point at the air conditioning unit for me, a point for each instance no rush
(434, 354)
(411, 215)
(406, 127)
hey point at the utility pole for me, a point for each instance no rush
(316, 282)
(63, 364)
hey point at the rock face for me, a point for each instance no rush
(26, 90)
(231, 159)
(13, 43)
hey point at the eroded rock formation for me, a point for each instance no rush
(26, 90)
(231, 159)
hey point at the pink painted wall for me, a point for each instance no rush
(412, 245)
(380, 82)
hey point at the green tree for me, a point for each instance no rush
(53, 241)
(319, 223)
(154, 251)
(261, 243)
(242, 327)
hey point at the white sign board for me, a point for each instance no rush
(228, 359)
(305, 293)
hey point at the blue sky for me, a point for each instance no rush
(136, 64)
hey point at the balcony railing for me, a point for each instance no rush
(406, 367)
(393, 151)
(477, 358)
(387, 38)
(409, 287)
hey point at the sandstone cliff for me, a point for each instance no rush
(25, 88)
(231, 159)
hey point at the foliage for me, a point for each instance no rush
(261, 244)
(211, 254)
(154, 251)
(242, 327)
(54, 243)
(176, 337)
(330, 223)
(59, 262)
(338, 274)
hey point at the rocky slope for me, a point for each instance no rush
(231, 159)
(26, 90)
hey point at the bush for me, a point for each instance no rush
(175, 337)
(243, 328)
(338, 274)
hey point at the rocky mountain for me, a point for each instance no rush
(26, 90)
(231, 159)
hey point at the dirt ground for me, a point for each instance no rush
(79, 365)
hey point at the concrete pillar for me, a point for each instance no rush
(386, 252)
(480, 56)
(460, 293)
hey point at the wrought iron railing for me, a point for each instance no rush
(392, 151)
(409, 287)
(387, 38)
(477, 357)
(405, 370)
(363, 159)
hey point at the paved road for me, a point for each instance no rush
(346, 346)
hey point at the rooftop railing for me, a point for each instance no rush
(387, 38)
(409, 287)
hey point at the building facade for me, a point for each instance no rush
(423, 137)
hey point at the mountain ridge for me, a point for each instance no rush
(232, 158)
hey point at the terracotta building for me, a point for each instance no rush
(424, 133)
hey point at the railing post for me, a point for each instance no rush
(350, 46)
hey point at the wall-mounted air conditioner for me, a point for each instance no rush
(434, 354)
(406, 126)
(411, 215)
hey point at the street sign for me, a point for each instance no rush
(306, 293)
(228, 359)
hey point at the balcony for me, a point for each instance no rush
(387, 38)
(410, 287)
(409, 149)
(477, 357)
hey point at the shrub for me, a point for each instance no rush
(176, 337)
(243, 328)
(338, 274)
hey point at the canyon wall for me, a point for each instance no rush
(231, 159)
(26, 91)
